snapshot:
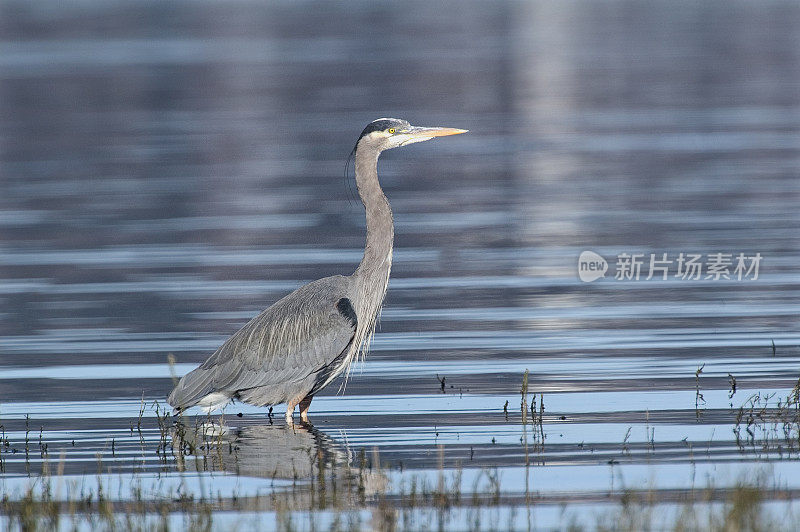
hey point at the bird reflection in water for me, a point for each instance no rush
(298, 452)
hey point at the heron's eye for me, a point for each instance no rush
(391, 131)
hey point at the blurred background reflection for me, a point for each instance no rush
(167, 170)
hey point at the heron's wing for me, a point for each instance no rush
(297, 336)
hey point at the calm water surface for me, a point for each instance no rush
(168, 171)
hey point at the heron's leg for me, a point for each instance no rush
(290, 410)
(305, 404)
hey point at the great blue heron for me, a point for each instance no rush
(302, 342)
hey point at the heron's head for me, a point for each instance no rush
(387, 133)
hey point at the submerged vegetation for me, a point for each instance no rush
(770, 422)
(181, 473)
(417, 503)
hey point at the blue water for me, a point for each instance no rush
(166, 172)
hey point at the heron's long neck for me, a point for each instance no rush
(373, 271)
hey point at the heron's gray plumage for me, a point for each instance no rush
(301, 343)
(287, 347)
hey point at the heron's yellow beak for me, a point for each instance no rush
(420, 134)
(430, 132)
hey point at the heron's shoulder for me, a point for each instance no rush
(322, 292)
(316, 302)
(334, 285)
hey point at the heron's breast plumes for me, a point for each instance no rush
(369, 304)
